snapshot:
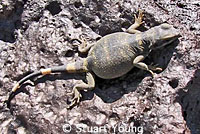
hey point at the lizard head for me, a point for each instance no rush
(164, 34)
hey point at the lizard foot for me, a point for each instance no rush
(152, 73)
(76, 98)
(155, 68)
(138, 20)
(84, 46)
(83, 43)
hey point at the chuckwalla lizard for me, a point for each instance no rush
(113, 55)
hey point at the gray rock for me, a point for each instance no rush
(37, 34)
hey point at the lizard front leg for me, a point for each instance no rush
(138, 22)
(82, 86)
(137, 62)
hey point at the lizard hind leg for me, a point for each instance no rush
(84, 46)
(82, 86)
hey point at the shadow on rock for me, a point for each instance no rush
(189, 99)
(10, 20)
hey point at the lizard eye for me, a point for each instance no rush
(165, 26)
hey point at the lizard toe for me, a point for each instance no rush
(76, 98)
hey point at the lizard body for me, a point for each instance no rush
(113, 55)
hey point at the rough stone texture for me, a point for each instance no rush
(10, 12)
(37, 34)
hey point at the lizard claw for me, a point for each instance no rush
(138, 20)
(152, 73)
(155, 68)
(158, 69)
(76, 98)
(83, 43)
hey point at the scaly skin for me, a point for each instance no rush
(113, 56)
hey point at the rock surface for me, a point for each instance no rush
(37, 34)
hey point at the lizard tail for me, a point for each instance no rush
(76, 67)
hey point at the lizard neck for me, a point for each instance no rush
(144, 42)
(150, 37)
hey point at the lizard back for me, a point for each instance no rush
(112, 56)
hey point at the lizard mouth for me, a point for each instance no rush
(169, 37)
(165, 42)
